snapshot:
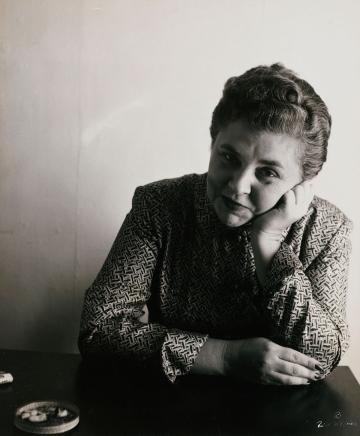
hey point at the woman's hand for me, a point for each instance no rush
(267, 228)
(290, 208)
(262, 361)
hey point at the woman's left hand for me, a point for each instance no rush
(291, 207)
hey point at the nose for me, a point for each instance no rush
(240, 183)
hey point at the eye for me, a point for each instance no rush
(267, 173)
(228, 157)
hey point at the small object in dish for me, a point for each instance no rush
(5, 377)
(46, 417)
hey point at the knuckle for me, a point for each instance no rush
(265, 366)
(263, 341)
(269, 347)
(287, 380)
(294, 357)
(290, 380)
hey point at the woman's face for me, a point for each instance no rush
(249, 172)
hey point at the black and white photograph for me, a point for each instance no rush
(179, 217)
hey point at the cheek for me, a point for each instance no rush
(266, 197)
(217, 178)
(212, 187)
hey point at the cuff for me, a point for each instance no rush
(179, 351)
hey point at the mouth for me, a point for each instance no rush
(233, 205)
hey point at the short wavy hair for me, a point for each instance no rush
(273, 98)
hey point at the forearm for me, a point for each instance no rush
(152, 344)
(295, 300)
(298, 304)
(265, 245)
(211, 358)
(124, 337)
(299, 321)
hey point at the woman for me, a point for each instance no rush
(240, 271)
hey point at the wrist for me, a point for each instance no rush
(232, 359)
(211, 358)
(268, 235)
(227, 358)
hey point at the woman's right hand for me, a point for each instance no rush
(262, 361)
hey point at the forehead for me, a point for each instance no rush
(260, 145)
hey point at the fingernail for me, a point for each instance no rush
(317, 376)
(318, 367)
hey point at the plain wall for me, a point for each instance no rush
(100, 96)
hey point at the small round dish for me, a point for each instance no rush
(46, 417)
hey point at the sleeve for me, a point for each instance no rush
(115, 315)
(306, 307)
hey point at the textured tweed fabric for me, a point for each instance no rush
(176, 275)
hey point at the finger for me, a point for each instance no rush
(299, 191)
(305, 197)
(308, 186)
(296, 370)
(289, 198)
(308, 197)
(294, 356)
(303, 183)
(310, 193)
(282, 379)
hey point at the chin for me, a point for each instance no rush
(231, 219)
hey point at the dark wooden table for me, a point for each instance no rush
(117, 400)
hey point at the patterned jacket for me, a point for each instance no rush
(176, 275)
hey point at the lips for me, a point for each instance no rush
(231, 204)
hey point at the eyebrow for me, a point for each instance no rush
(269, 162)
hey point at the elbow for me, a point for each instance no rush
(343, 342)
(327, 349)
(83, 346)
(330, 352)
(86, 343)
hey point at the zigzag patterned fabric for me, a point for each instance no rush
(176, 275)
